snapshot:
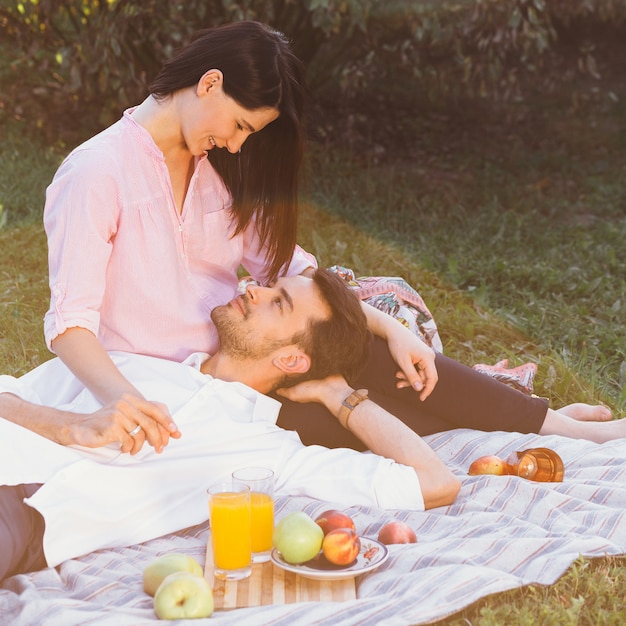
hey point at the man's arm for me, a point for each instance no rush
(110, 424)
(384, 435)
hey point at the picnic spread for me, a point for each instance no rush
(502, 532)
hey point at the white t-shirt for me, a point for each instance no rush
(97, 498)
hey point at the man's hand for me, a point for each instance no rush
(322, 391)
(113, 423)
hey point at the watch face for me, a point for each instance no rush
(350, 403)
(355, 398)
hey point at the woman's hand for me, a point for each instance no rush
(114, 422)
(124, 408)
(111, 424)
(413, 356)
(416, 360)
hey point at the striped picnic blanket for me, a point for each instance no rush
(502, 533)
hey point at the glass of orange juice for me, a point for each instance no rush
(231, 538)
(260, 480)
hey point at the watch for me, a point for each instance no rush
(349, 404)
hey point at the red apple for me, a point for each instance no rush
(341, 546)
(332, 519)
(396, 532)
(490, 464)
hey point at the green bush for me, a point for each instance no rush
(73, 65)
(453, 49)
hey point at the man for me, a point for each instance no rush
(87, 494)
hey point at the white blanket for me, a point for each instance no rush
(502, 533)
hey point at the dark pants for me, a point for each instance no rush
(462, 398)
(21, 532)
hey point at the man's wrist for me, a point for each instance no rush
(349, 403)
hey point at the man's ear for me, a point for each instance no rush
(211, 80)
(292, 362)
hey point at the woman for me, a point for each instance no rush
(149, 221)
(146, 234)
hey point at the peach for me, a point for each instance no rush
(331, 519)
(490, 464)
(341, 546)
(396, 532)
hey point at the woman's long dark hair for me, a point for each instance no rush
(260, 71)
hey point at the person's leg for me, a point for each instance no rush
(587, 412)
(558, 423)
(21, 532)
(463, 398)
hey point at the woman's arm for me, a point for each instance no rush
(110, 424)
(415, 359)
(385, 435)
(413, 356)
(83, 354)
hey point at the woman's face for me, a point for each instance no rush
(217, 121)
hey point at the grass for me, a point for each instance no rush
(514, 238)
(27, 166)
(24, 298)
(531, 229)
(591, 593)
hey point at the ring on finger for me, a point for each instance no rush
(135, 431)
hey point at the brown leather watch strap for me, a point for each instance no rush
(349, 404)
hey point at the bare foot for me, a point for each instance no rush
(587, 412)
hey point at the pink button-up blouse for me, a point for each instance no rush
(126, 265)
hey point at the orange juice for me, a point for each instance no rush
(230, 530)
(262, 513)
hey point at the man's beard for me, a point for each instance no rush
(237, 339)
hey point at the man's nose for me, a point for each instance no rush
(251, 292)
(255, 293)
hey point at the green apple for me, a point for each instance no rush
(165, 565)
(183, 595)
(297, 537)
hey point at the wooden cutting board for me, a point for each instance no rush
(270, 584)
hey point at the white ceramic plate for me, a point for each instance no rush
(372, 554)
